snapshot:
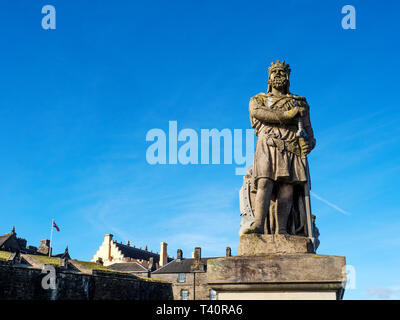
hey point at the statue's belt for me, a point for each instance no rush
(282, 145)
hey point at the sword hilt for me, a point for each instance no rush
(301, 133)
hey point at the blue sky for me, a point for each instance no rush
(77, 102)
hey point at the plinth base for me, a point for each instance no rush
(261, 244)
(280, 276)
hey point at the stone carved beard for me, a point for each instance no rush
(280, 83)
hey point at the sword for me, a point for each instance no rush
(302, 135)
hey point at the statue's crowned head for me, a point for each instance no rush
(278, 76)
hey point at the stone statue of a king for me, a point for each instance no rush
(277, 191)
(277, 256)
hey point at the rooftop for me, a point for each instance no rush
(179, 266)
(128, 267)
(136, 253)
(5, 237)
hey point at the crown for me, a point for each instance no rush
(279, 66)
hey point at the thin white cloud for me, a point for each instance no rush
(334, 206)
(191, 224)
(384, 292)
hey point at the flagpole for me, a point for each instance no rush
(51, 236)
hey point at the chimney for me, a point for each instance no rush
(163, 254)
(197, 253)
(228, 252)
(108, 240)
(198, 265)
(128, 243)
(179, 255)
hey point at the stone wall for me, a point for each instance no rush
(23, 283)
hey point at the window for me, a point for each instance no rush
(181, 277)
(184, 295)
(213, 294)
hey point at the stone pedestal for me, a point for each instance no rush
(279, 276)
(260, 244)
(277, 267)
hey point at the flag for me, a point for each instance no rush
(56, 226)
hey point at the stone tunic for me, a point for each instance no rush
(278, 154)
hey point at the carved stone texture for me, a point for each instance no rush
(276, 268)
(261, 244)
(279, 180)
(246, 277)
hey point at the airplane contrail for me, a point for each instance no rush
(329, 203)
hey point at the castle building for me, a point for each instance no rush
(112, 254)
(21, 277)
(11, 243)
(188, 277)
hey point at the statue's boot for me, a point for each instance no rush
(256, 227)
(282, 223)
